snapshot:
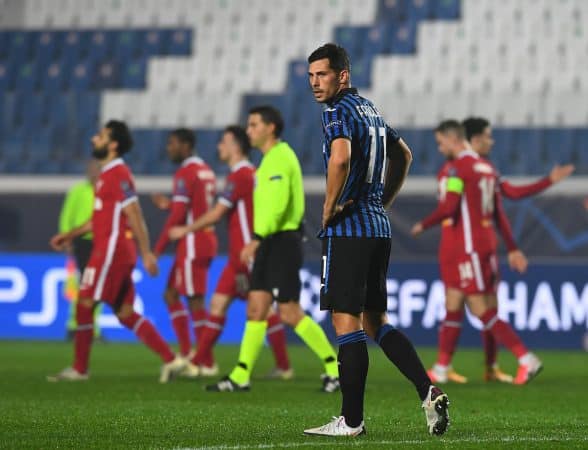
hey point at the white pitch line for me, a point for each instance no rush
(317, 441)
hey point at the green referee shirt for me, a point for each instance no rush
(278, 198)
(77, 208)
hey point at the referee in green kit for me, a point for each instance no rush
(275, 250)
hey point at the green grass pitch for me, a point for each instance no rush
(123, 406)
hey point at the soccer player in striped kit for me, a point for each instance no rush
(194, 190)
(235, 202)
(366, 164)
(116, 220)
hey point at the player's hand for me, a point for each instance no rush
(518, 261)
(177, 232)
(59, 242)
(416, 229)
(330, 213)
(161, 201)
(150, 263)
(559, 173)
(248, 252)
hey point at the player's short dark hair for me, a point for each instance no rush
(269, 114)
(185, 136)
(337, 56)
(451, 126)
(120, 133)
(474, 126)
(241, 137)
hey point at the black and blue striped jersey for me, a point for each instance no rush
(350, 116)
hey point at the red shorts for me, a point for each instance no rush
(234, 281)
(471, 273)
(111, 283)
(189, 276)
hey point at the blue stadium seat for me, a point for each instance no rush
(29, 111)
(128, 45)
(82, 76)
(47, 47)
(27, 77)
(100, 46)
(206, 143)
(154, 42)
(179, 42)
(53, 77)
(87, 109)
(107, 75)
(20, 47)
(4, 44)
(74, 47)
(420, 9)
(40, 144)
(352, 38)
(7, 72)
(8, 107)
(404, 38)
(362, 71)
(133, 74)
(392, 11)
(447, 9)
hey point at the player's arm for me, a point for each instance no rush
(210, 217)
(399, 159)
(557, 174)
(132, 211)
(60, 241)
(447, 208)
(337, 173)
(177, 216)
(516, 259)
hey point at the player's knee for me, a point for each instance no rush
(219, 305)
(85, 303)
(196, 302)
(170, 296)
(124, 312)
(291, 314)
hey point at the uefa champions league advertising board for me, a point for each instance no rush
(548, 306)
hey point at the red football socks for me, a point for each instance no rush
(181, 325)
(83, 337)
(276, 336)
(448, 336)
(199, 317)
(490, 348)
(210, 334)
(147, 333)
(503, 333)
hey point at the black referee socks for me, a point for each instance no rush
(401, 352)
(353, 368)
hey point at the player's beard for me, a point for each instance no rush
(99, 152)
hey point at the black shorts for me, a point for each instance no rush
(82, 248)
(277, 265)
(353, 276)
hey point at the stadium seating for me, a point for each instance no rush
(66, 65)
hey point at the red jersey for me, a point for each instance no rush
(447, 242)
(194, 189)
(238, 196)
(115, 189)
(474, 223)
